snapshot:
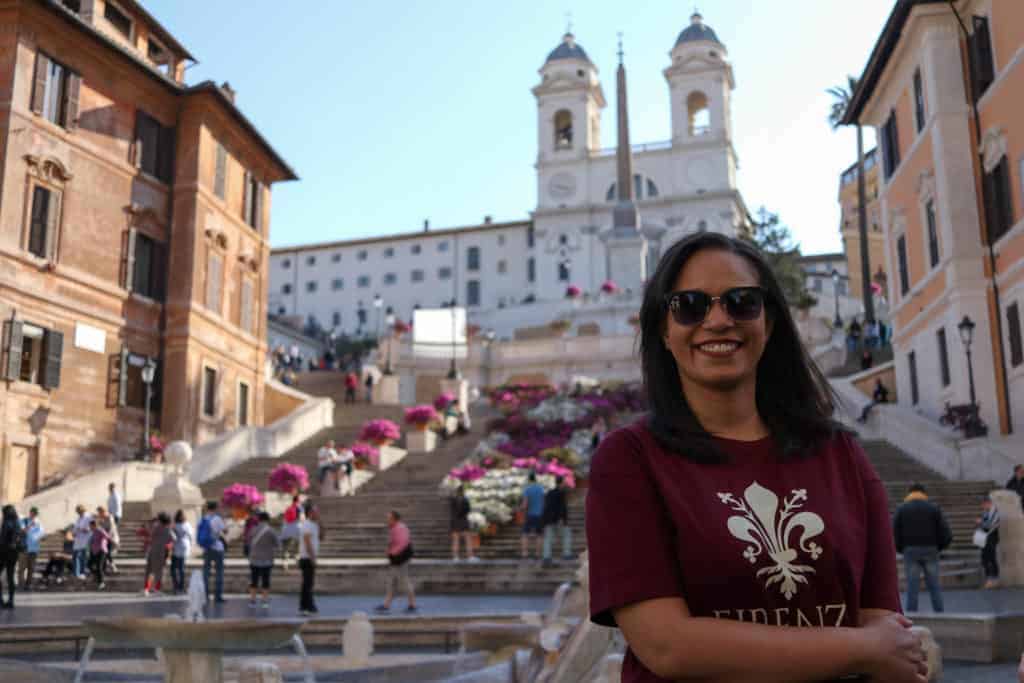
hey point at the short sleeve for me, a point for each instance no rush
(629, 531)
(879, 585)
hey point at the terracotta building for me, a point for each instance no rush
(134, 216)
(849, 225)
(944, 88)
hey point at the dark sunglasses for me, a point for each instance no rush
(691, 307)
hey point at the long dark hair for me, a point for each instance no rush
(793, 397)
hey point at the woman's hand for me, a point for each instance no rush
(893, 652)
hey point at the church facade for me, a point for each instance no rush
(512, 275)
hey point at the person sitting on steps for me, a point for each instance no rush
(880, 395)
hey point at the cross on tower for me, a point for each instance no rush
(568, 22)
(621, 53)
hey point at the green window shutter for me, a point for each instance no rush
(39, 82)
(15, 343)
(53, 348)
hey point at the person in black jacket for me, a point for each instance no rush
(1016, 482)
(11, 544)
(556, 516)
(921, 532)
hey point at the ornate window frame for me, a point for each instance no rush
(51, 174)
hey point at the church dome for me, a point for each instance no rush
(696, 31)
(568, 49)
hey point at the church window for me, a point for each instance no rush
(652, 189)
(698, 115)
(563, 129)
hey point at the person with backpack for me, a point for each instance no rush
(12, 544)
(921, 533)
(458, 525)
(33, 529)
(209, 536)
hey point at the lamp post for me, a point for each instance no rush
(389, 321)
(148, 375)
(835, 289)
(453, 371)
(973, 426)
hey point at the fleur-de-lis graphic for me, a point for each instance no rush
(768, 531)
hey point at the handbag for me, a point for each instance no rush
(980, 538)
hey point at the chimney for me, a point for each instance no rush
(228, 90)
(488, 220)
(426, 225)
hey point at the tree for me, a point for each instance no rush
(840, 105)
(776, 244)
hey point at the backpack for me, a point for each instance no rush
(204, 535)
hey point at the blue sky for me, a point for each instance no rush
(395, 112)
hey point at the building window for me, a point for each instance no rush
(698, 114)
(243, 404)
(982, 60)
(131, 390)
(918, 101)
(336, 257)
(73, 5)
(502, 266)
(501, 240)
(44, 222)
(901, 256)
(160, 57)
(563, 129)
(473, 293)
(154, 147)
(563, 239)
(531, 269)
(363, 281)
(389, 252)
(473, 258)
(563, 271)
(286, 263)
(311, 260)
(933, 233)
(998, 200)
(416, 276)
(336, 318)
(416, 249)
(361, 255)
(530, 236)
(311, 286)
(147, 262)
(1013, 325)
(209, 392)
(55, 92)
(912, 365)
(444, 273)
(943, 357)
(890, 140)
(337, 284)
(214, 273)
(442, 246)
(33, 354)
(286, 288)
(220, 173)
(117, 19)
(390, 278)
(252, 202)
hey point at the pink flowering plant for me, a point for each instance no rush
(468, 473)
(366, 453)
(573, 292)
(421, 415)
(609, 287)
(241, 496)
(380, 430)
(444, 400)
(286, 478)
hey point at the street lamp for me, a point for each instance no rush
(835, 289)
(973, 426)
(389, 321)
(453, 371)
(148, 375)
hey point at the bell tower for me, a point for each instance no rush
(700, 83)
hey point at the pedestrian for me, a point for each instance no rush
(532, 506)
(251, 522)
(880, 395)
(32, 527)
(161, 541)
(309, 553)
(921, 532)
(736, 510)
(369, 387)
(107, 523)
(327, 467)
(351, 384)
(555, 518)
(987, 536)
(60, 562)
(400, 554)
(99, 546)
(866, 360)
(458, 526)
(1016, 482)
(12, 544)
(114, 503)
(263, 545)
(82, 537)
(184, 536)
(209, 536)
(343, 473)
(290, 531)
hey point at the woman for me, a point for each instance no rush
(263, 544)
(459, 525)
(309, 553)
(183, 537)
(107, 522)
(161, 539)
(737, 517)
(989, 524)
(99, 551)
(11, 542)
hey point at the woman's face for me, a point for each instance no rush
(719, 353)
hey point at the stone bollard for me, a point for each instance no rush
(932, 652)
(1011, 537)
(357, 640)
(260, 672)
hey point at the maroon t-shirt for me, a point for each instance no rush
(798, 542)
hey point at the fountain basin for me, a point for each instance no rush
(172, 634)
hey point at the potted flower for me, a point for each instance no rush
(380, 432)
(421, 416)
(573, 292)
(508, 403)
(365, 455)
(443, 401)
(288, 478)
(609, 287)
(240, 498)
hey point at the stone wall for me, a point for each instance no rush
(279, 400)
(865, 381)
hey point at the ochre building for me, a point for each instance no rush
(134, 219)
(944, 88)
(849, 226)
